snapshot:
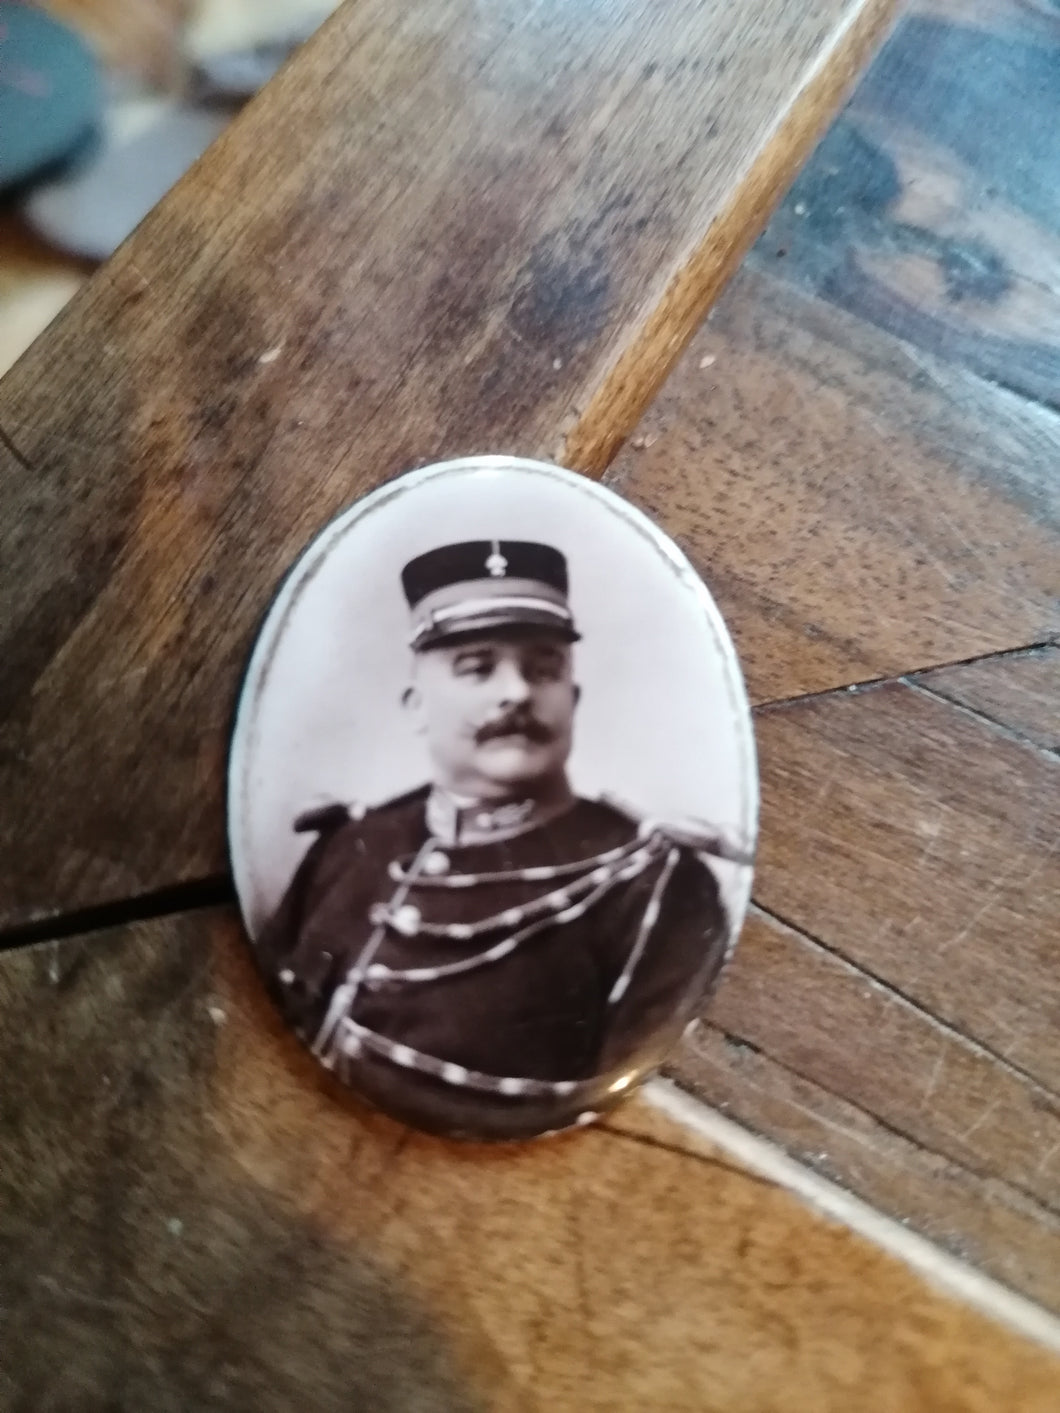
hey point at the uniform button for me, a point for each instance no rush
(406, 920)
(436, 864)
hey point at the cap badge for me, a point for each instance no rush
(496, 564)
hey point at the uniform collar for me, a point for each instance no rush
(453, 820)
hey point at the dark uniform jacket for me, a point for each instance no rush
(576, 994)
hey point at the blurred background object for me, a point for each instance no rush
(140, 37)
(145, 146)
(104, 104)
(50, 93)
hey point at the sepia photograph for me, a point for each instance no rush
(492, 797)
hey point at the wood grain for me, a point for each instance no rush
(1020, 692)
(891, 1058)
(462, 228)
(931, 208)
(897, 979)
(858, 508)
(922, 844)
(977, 1218)
(189, 1220)
(865, 504)
(876, 1094)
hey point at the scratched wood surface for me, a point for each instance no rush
(932, 208)
(1019, 690)
(189, 1220)
(484, 226)
(891, 1013)
(872, 490)
(859, 507)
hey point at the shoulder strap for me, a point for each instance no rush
(322, 820)
(694, 834)
(325, 819)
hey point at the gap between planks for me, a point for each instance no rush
(200, 894)
(191, 896)
(763, 1160)
(908, 676)
(945, 1272)
(887, 1125)
(895, 992)
(194, 894)
(984, 718)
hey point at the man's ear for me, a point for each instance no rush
(412, 701)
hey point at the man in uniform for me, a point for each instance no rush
(507, 950)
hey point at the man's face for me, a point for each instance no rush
(497, 712)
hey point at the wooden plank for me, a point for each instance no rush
(921, 843)
(865, 508)
(897, 984)
(1020, 692)
(452, 228)
(907, 1112)
(858, 508)
(931, 208)
(189, 1219)
(977, 1218)
(889, 1057)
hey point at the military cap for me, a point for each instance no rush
(486, 586)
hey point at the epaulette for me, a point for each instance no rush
(694, 834)
(410, 797)
(326, 818)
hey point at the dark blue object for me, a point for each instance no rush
(50, 93)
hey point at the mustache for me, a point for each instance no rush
(514, 723)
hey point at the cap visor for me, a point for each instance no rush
(496, 625)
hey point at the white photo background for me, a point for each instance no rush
(662, 726)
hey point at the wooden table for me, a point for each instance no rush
(451, 227)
